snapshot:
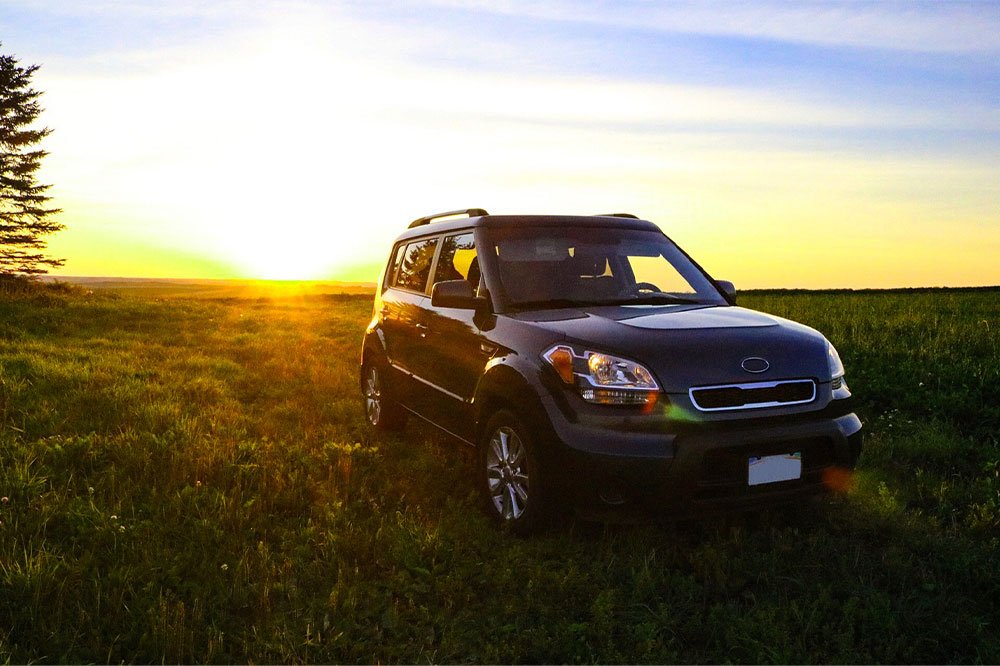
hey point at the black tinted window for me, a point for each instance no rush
(416, 265)
(458, 260)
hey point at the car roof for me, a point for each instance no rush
(506, 221)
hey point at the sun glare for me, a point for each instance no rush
(300, 147)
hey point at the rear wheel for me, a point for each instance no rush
(513, 485)
(380, 412)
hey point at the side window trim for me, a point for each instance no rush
(434, 262)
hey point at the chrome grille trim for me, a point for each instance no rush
(752, 385)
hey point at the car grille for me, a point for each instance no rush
(754, 395)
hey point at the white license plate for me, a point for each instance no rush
(771, 469)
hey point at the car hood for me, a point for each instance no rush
(695, 345)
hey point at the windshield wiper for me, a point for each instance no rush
(649, 299)
(655, 299)
(551, 304)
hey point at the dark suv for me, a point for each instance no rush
(592, 362)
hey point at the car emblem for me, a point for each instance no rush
(755, 364)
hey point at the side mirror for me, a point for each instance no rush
(728, 289)
(455, 294)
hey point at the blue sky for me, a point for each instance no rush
(776, 125)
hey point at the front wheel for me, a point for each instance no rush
(513, 484)
(379, 412)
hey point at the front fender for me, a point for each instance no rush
(509, 383)
(373, 346)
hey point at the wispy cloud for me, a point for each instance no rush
(204, 127)
(916, 26)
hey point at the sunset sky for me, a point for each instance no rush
(782, 144)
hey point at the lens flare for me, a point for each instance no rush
(838, 479)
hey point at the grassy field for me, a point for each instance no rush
(191, 480)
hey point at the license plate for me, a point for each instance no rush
(771, 469)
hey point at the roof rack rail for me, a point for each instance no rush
(471, 212)
(628, 215)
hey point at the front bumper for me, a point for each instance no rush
(687, 469)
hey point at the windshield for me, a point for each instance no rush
(551, 267)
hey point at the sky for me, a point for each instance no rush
(815, 145)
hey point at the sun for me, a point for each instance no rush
(306, 255)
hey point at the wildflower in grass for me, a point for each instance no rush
(121, 528)
(114, 517)
(224, 567)
(4, 499)
(197, 484)
(90, 490)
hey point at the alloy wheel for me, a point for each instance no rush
(373, 395)
(507, 473)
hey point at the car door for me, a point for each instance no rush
(456, 350)
(404, 307)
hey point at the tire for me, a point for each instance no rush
(512, 482)
(380, 411)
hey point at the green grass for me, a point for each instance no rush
(191, 480)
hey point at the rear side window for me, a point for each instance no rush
(415, 267)
(390, 275)
(458, 260)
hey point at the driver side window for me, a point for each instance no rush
(458, 260)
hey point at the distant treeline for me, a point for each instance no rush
(895, 290)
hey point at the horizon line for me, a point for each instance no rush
(357, 283)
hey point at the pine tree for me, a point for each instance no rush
(24, 215)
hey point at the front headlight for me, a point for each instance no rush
(838, 384)
(602, 378)
(834, 362)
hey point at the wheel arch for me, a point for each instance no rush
(373, 346)
(373, 352)
(504, 387)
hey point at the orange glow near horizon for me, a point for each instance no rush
(299, 146)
